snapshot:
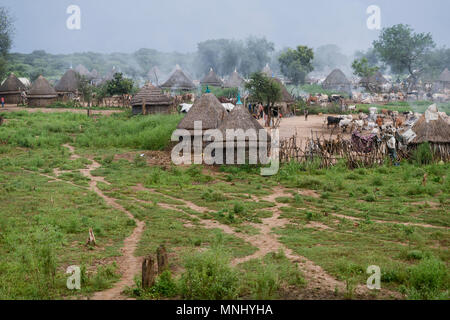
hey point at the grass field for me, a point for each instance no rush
(212, 220)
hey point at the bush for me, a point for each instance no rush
(422, 154)
(428, 280)
(208, 276)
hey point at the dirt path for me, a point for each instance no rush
(320, 285)
(129, 264)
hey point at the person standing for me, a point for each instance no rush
(306, 112)
(391, 145)
(3, 102)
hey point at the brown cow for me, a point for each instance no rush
(380, 121)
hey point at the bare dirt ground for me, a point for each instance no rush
(315, 125)
(129, 264)
(14, 108)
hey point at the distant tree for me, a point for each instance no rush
(6, 34)
(404, 50)
(296, 64)
(328, 57)
(119, 85)
(265, 90)
(362, 68)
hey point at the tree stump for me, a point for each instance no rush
(91, 239)
(163, 260)
(148, 272)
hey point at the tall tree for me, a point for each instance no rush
(404, 50)
(265, 90)
(362, 68)
(296, 64)
(6, 34)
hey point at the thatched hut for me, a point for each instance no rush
(41, 93)
(285, 103)
(67, 87)
(240, 119)
(234, 81)
(154, 75)
(83, 71)
(11, 89)
(206, 109)
(435, 130)
(443, 82)
(178, 81)
(374, 83)
(211, 79)
(338, 82)
(150, 100)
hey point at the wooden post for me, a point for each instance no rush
(163, 261)
(144, 109)
(148, 272)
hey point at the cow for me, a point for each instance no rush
(344, 123)
(333, 121)
(312, 99)
(379, 121)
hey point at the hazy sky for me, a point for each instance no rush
(178, 25)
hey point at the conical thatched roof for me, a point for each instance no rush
(240, 118)
(154, 75)
(41, 88)
(12, 85)
(178, 81)
(431, 127)
(234, 81)
(83, 71)
(152, 96)
(336, 77)
(267, 70)
(95, 74)
(207, 109)
(211, 79)
(375, 79)
(445, 76)
(68, 83)
(285, 95)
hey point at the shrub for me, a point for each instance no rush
(209, 277)
(422, 154)
(427, 280)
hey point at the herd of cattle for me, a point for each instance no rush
(375, 122)
(374, 98)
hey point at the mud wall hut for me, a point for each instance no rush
(11, 89)
(41, 93)
(211, 79)
(151, 100)
(338, 82)
(67, 86)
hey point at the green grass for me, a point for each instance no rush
(44, 223)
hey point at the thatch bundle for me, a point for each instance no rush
(206, 109)
(178, 81)
(211, 79)
(68, 83)
(41, 93)
(11, 89)
(234, 81)
(337, 81)
(153, 99)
